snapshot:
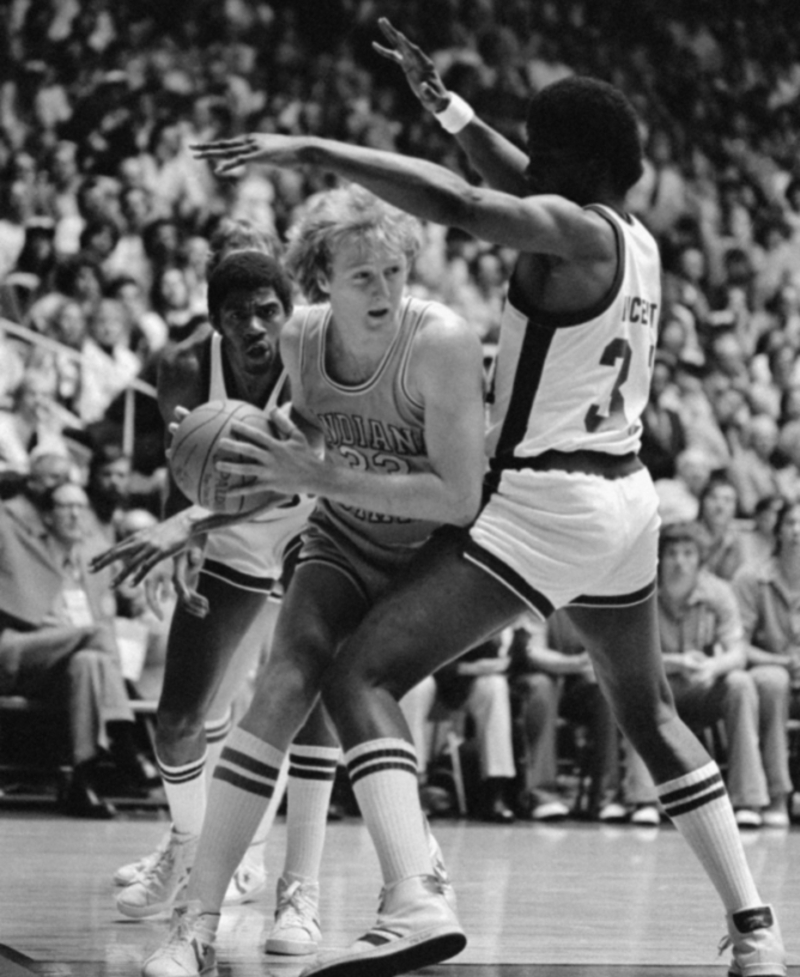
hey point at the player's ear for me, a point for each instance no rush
(323, 283)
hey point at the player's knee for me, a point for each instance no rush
(175, 725)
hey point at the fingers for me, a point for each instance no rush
(282, 422)
(222, 147)
(238, 449)
(386, 52)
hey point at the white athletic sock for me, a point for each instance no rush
(312, 770)
(257, 848)
(384, 778)
(186, 794)
(243, 782)
(699, 806)
(217, 731)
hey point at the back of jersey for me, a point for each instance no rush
(570, 382)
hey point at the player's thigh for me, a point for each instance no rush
(440, 607)
(200, 649)
(626, 653)
(321, 607)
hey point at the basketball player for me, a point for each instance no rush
(569, 518)
(220, 628)
(372, 369)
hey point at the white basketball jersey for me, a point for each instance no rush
(255, 547)
(571, 382)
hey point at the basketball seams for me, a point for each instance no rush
(193, 457)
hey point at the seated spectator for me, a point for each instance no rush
(35, 420)
(752, 470)
(769, 599)
(108, 491)
(679, 497)
(57, 641)
(46, 471)
(759, 541)
(477, 683)
(551, 675)
(663, 433)
(705, 655)
(718, 505)
(108, 365)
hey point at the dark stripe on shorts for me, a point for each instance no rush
(618, 600)
(243, 581)
(509, 577)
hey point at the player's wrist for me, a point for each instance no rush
(456, 115)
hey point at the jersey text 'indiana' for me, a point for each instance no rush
(352, 430)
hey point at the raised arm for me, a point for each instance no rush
(543, 224)
(499, 161)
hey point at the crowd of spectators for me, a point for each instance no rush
(107, 223)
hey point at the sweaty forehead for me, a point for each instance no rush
(358, 250)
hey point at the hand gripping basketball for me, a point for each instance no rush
(196, 448)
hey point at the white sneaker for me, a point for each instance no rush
(757, 944)
(648, 815)
(161, 882)
(747, 818)
(189, 950)
(249, 880)
(133, 871)
(296, 930)
(415, 928)
(440, 872)
(612, 813)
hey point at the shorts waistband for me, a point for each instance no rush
(587, 462)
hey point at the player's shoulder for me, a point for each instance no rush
(186, 363)
(436, 321)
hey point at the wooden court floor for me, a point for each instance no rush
(570, 900)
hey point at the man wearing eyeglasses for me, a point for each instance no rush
(57, 641)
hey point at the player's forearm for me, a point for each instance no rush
(422, 495)
(426, 190)
(499, 161)
(200, 521)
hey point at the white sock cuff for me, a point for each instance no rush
(184, 772)
(692, 790)
(249, 763)
(312, 763)
(377, 755)
(218, 729)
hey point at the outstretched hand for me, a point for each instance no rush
(420, 72)
(255, 147)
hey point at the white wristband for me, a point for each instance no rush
(456, 116)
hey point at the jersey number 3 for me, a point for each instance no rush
(617, 349)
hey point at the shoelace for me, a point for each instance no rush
(296, 905)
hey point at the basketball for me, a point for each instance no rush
(194, 453)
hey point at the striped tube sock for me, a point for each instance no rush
(217, 731)
(700, 808)
(185, 789)
(312, 770)
(243, 782)
(384, 778)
